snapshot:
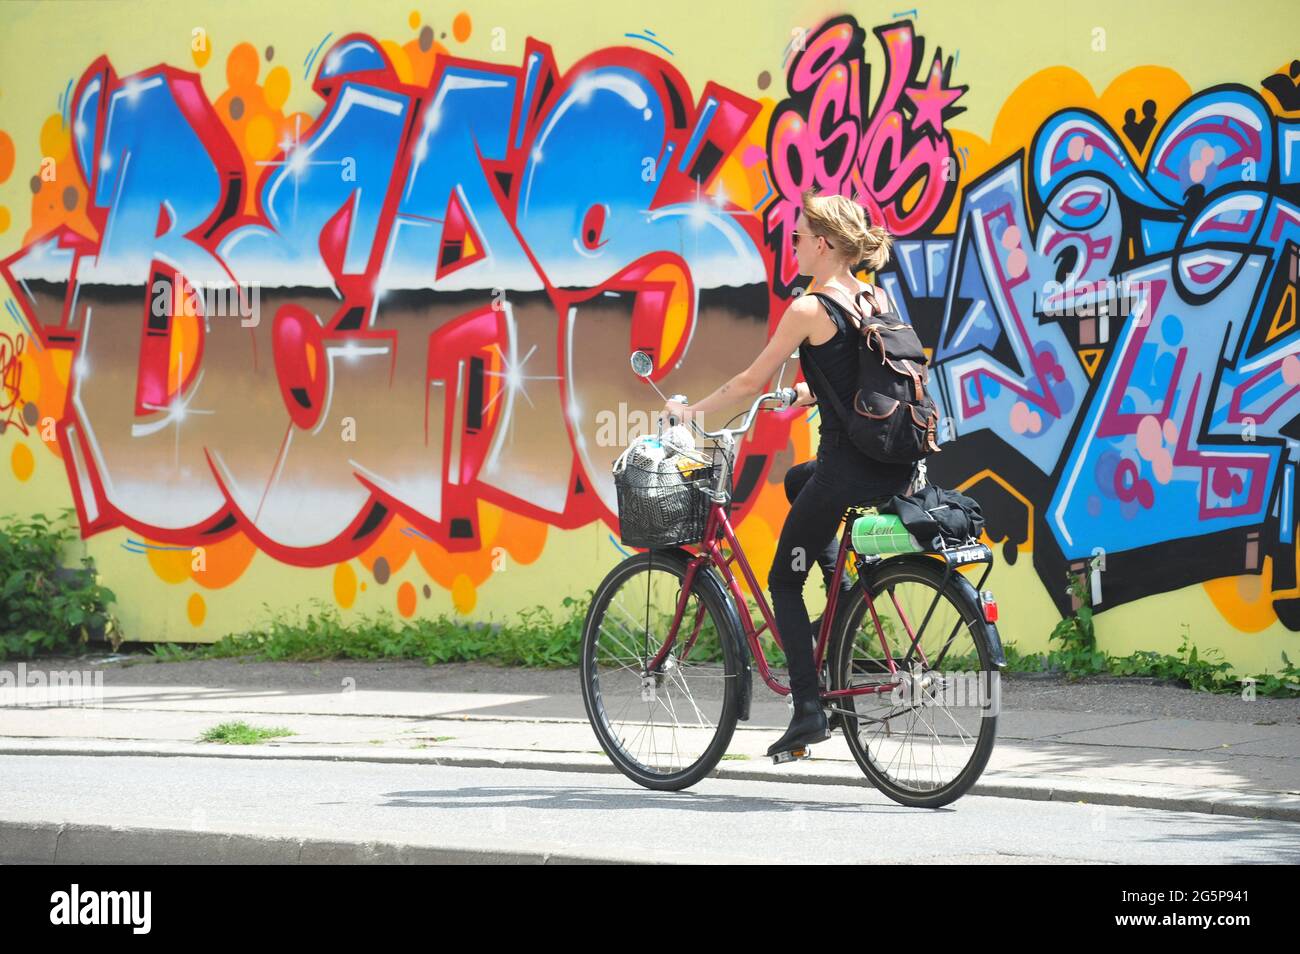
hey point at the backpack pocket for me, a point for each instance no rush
(891, 430)
(875, 406)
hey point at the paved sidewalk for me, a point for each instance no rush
(1105, 741)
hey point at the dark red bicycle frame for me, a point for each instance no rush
(711, 554)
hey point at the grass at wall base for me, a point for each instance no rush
(543, 639)
(1078, 656)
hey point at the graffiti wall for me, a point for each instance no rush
(335, 305)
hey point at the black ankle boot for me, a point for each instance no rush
(806, 727)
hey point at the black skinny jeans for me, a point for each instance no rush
(819, 491)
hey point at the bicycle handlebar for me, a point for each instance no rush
(787, 397)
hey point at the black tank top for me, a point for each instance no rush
(837, 359)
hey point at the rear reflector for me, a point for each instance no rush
(990, 606)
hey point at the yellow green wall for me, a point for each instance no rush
(1018, 65)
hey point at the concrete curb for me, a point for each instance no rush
(1280, 806)
(74, 844)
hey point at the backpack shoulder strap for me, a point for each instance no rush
(881, 299)
(878, 301)
(832, 312)
(837, 313)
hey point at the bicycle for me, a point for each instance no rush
(701, 686)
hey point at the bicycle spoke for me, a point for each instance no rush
(630, 699)
(704, 672)
(691, 699)
(636, 671)
(962, 736)
(683, 703)
(913, 749)
(628, 613)
(672, 711)
(651, 723)
(640, 732)
(613, 639)
(929, 727)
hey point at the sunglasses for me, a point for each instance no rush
(794, 238)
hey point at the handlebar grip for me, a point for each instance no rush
(788, 396)
(672, 418)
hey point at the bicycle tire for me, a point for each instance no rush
(856, 652)
(717, 682)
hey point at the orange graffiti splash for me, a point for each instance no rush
(44, 385)
(392, 546)
(6, 156)
(171, 565)
(22, 462)
(422, 53)
(253, 116)
(224, 561)
(1245, 601)
(196, 609)
(463, 594)
(506, 537)
(212, 566)
(461, 27)
(345, 585)
(58, 190)
(406, 599)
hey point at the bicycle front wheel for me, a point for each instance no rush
(925, 733)
(664, 726)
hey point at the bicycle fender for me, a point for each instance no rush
(995, 646)
(962, 590)
(708, 576)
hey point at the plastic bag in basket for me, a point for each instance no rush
(660, 502)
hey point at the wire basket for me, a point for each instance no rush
(659, 505)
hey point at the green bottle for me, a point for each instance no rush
(882, 534)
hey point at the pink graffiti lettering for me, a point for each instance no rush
(895, 158)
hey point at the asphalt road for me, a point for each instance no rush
(508, 814)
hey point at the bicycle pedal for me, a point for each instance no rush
(792, 756)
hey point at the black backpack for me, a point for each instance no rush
(894, 420)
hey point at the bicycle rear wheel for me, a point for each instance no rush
(924, 738)
(665, 729)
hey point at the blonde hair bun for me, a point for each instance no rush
(845, 224)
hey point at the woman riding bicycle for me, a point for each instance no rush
(832, 236)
